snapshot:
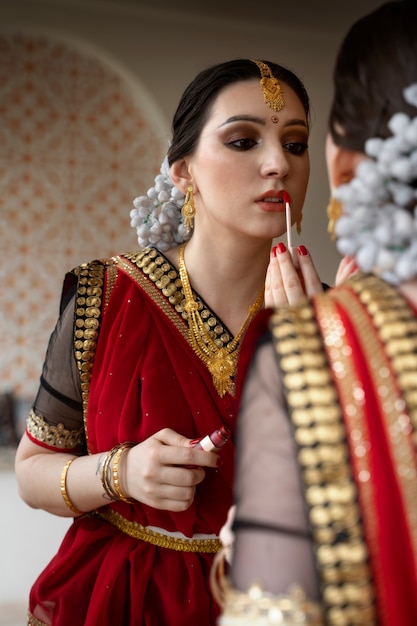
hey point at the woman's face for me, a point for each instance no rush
(246, 157)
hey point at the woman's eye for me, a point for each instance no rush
(296, 148)
(242, 144)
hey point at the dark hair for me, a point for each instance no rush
(194, 106)
(376, 61)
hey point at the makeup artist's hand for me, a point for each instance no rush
(287, 284)
(226, 534)
(164, 471)
(347, 267)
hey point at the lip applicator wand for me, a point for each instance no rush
(292, 250)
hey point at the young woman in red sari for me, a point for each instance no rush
(326, 485)
(143, 358)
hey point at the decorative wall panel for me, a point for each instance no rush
(78, 141)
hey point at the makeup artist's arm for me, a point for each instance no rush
(272, 542)
(289, 279)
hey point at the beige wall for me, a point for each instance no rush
(162, 51)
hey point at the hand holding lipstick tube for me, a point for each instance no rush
(211, 443)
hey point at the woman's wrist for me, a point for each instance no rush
(113, 472)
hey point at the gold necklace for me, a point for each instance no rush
(221, 362)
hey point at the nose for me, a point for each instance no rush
(276, 164)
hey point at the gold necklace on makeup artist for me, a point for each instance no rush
(221, 361)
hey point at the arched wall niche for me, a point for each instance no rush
(80, 139)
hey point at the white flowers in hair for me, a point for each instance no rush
(376, 227)
(157, 216)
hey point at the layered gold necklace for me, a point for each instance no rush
(221, 361)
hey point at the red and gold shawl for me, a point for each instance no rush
(139, 374)
(349, 366)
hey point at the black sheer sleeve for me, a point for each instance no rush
(272, 541)
(58, 400)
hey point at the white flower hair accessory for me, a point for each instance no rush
(157, 216)
(375, 226)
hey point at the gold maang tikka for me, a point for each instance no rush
(271, 87)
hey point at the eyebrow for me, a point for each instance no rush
(261, 121)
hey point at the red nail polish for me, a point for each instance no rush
(281, 248)
(302, 250)
(274, 251)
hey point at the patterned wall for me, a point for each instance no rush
(78, 142)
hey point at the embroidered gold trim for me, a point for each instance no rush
(157, 277)
(87, 322)
(54, 435)
(133, 529)
(330, 490)
(396, 326)
(32, 621)
(387, 331)
(256, 606)
(160, 280)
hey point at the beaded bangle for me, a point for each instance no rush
(109, 474)
(63, 486)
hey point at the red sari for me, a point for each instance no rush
(348, 370)
(121, 565)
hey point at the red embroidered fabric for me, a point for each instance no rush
(145, 377)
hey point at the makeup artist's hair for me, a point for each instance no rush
(196, 102)
(376, 61)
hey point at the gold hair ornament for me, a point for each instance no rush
(221, 362)
(188, 209)
(271, 87)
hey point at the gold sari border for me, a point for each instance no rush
(330, 491)
(33, 621)
(53, 435)
(159, 539)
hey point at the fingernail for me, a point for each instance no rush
(274, 251)
(219, 461)
(281, 248)
(193, 442)
(302, 250)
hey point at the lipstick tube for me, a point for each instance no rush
(215, 441)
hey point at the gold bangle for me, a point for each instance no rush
(115, 470)
(63, 485)
(106, 474)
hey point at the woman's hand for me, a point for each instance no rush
(347, 267)
(290, 280)
(164, 471)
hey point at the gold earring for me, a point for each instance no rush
(298, 223)
(188, 209)
(334, 211)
